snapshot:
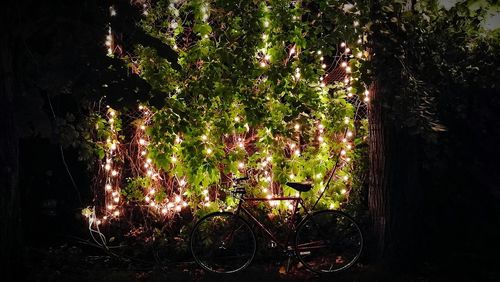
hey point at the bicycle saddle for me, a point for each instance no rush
(301, 187)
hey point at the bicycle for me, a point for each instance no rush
(325, 241)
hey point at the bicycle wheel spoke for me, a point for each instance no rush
(223, 243)
(328, 241)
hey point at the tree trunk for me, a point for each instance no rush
(394, 193)
(10, 230)
(379, 166)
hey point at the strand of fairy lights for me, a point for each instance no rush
(167, 206)
(264, 60)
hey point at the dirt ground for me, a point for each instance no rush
(69, 264)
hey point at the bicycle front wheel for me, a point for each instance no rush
(328, 241)
(223, 242)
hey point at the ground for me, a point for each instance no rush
(71, 263)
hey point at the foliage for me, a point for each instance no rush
(428, 53)
(264, 89)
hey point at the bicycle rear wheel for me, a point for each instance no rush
(223, 242)
(328, 241)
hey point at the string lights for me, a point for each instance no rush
(314, 140)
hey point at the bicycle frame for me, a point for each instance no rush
(291, 226)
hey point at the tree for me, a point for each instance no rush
(420, 52)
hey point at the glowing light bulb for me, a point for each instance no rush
(264, 36)
(147, 199)
(349, 147)
(269, 158)
(266, 23)
(149, 172)
(142, 141)
(184, 204)
(366, 99)
(349, 133)
(349, 95)
(207, 198)
(321, 58)
(322, 84)
(116, 213)
(116, 199)
(332, 206)
(114, 193)
(204, 137)
(297, 152)
(348, 69)
(347, 50)
(263, 64)
(175, 47)
(209, 151)
(292, 176)
(205, 192)
(367, 92)
(292, 145)
(319, 175)
(296, 126)
(343, 191)
(107, 167)
(143, 127)
(323, 66)
(114, 173)
(241, 165)
(347, 159)
(346, 120)
(346, 80)
(321, 79)
(237, 119)
(342, 44)
(110, 207)
(355, 23)
(178, 208)
(320, 139)
(359, 54)
(143, 153)
(164, 210)
(343, 152)
(146, 165)
(343, 64)
(108, 187)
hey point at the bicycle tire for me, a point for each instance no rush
(328, 241)
(223, 242)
